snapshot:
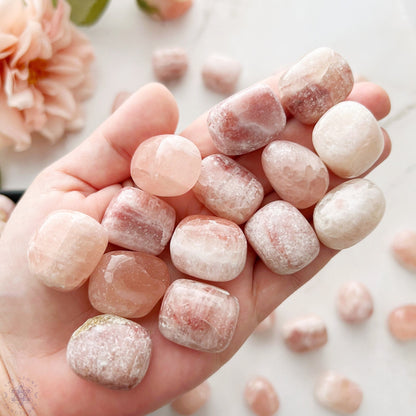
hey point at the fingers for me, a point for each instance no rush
(104, 158)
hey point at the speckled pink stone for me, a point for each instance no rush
(305, 333)
(402, 322)
(261, 397)
(403, 247)
(166, 165)
(282, 237)
(127, 283)
(296, 173)
(169, 64)
(321, 79)
(198, 316)
(348, 213)
(193, 400)
(246, 121)
(139, 221)
(338, 393)
(354, 302)
(228, 189)
(65, 249)
(348, 139)
(209, 248)
(110, 351)
(221, 74)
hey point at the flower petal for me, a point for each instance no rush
(6, 42)
(54, 129)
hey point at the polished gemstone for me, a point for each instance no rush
(127, 283)
(354, 302)
(402, 322)
(403, 247)
(169, 64)
(261, 397)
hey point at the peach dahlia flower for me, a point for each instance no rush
(44, 71)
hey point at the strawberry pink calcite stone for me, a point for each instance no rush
(402, 322)
(209, 248)
(282, 237)
(338, 393)
(193, 400)
(321, 79)
(169, 64)
(221, 74)
(261, 397)
(228, 189)
(246, 121)
(296, 173)
(403, 247)
(198, 316)
(348, 213)
(166, 165)
(354, 302)
(65, 249)
(111, 351)
(305, 333)
(127, 283)
(139, 221)
(348, 139)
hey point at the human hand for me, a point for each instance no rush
(36, 322)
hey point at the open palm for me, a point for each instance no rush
(36, 322)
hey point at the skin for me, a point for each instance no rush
(36, 322)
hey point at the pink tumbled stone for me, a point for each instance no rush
(65, 249)
(193, 400)
(282, 237)
(6, 207)
(354, 302)
(198, 316)
(228, 189)
(402, 322)
(321, 79)
(128, 284)
(296, 173)
(221, 74)
(209, 248)
(348, 213)
(111, 351)
(247, 120)
(169, 64)
(166, 165)
(338, 393)
(261, 397)
(348, 139)
(403, 248)
(139, 221)
(305, 333)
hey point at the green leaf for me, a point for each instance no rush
(147, 8)
(87, 12)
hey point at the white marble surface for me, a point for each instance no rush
(378, 38)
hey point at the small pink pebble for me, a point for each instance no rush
(296, 173)
(282, 237)
(209, 248)
(166, 165)
(228, 189)
(338, 393)
(261, 397)
(246, 121)
(128, 284)
(169, 64)
(6, 207)
(119, 100)
(193, 400)
(305, 333)
(221, 74)
(65, 249)
(403, 248)
(139, 221)
(321, 79)
(354, 302)
(402, 322)
(198, 316)
(110, 351)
